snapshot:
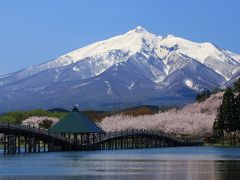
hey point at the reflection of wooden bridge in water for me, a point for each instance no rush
(20, 138)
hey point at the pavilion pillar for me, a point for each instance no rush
(81, 138)
(88, 138)
(69, 136)
(75, 137)
(93, 138)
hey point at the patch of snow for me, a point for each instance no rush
(226, 78)
(131, 85)
(109, 90)
(76, 69)
(190, 84)
(4, 76)
(80, 85)
(56, 78)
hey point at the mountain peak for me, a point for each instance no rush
(134, 67)
(140, 29)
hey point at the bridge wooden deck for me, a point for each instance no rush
(27, 139)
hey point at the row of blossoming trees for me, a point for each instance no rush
(227, 123)
(195, 120)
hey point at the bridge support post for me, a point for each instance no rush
(44, 146)
(113, 143)
(50, 148)
(110, 145)
(81, 139)
(39, 146)
(155, 142)
(121, 144)
(103, 147)
(11, 144)
(149, 142)
(142, 145)
(25, 144)
(93, 138)
(132, 142)
(8, 144)
(4, 144)
(29, 145)
(106, 145)
(34, 144)
(138, 142)
(19, 143)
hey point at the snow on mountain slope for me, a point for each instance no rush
(136, 67)
(132, 42)
(104, 54)
(112, 51)
(221, 61)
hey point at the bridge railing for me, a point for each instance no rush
(108, 135)
(131, 132)
(31, 129)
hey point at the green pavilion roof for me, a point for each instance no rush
(75, 122)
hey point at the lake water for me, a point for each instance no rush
(181, 163)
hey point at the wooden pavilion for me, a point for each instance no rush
(79, 128)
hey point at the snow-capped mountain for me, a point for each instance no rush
(137, 67)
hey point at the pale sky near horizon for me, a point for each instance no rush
(33, 32)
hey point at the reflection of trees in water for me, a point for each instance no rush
(202, 170)
(198, 170)
(228, 170)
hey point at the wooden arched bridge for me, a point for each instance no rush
(22, 138)
(134, 139)
(15, 138)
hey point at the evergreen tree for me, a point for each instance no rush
(237, 103)
(218, 126)
(229, 113)
(237, 86)
(203, 96)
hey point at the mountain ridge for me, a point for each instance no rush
(131, 68)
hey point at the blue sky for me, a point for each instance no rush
(33, 32)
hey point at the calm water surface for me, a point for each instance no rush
(182, 163)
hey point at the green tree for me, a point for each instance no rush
(203, 96)
(229, 114)
(218, 126)
(237, 103)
